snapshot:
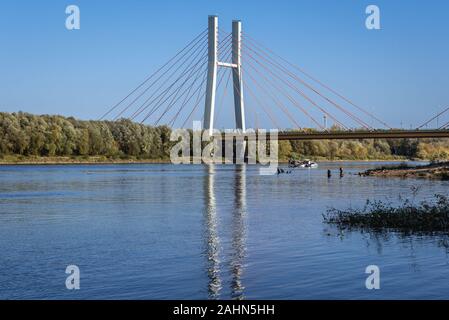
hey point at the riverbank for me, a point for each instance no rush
(437, 170)
(35, 160)
(66, 140)
(85, 160)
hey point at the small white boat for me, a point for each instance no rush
(302, 164)
(308, 164)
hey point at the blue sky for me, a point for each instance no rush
(401, 72)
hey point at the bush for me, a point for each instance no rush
(407, 217)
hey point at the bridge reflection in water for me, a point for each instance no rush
(214, 249)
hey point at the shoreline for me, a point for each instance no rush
(77, 161)
(42, 161)
(80, 163)
(438, 171)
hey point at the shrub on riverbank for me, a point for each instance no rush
(427, 216)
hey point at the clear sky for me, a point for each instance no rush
(400, 72)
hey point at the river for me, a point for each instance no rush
(161, 231)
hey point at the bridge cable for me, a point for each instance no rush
(295, 103)
(157, 95)
(282, 69)
(288, 83)
(198, 101)
(239, 92)
(197, 91)
(289, 97)
(198, 96)
(187, 96)
(316, 80)
(433, 118)
(445, 126)
(204, 32)
(277, 102)
(227, 54)
(163, 95)
(175, 99)
(273, 75)
(174, 95)
(162, 75)
(272, 118)
(167, 90)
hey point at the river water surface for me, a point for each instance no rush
(206, 232)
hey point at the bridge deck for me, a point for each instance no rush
(346, 135)
(349, 135)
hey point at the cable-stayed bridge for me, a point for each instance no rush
(218, 69)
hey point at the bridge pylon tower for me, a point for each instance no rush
(214, 64)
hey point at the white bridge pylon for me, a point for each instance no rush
(214, 64)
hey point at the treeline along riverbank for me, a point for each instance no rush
(27, 137)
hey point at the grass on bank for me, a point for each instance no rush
(20, 159)
(424, 217)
